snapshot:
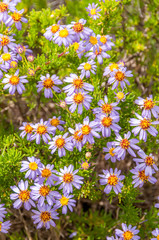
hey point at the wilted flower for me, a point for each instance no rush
(85, 165)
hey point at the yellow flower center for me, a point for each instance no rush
(16, 16)
(68, 177)
(112, 180)
(64, 201)
(142, 176)
(41, 129)
(120, 95)
(85, 165)
(31, 71)
(24, 195)
(107, 121)
(5, 40)
(55, 122)
(119, 76)
(93, 40)
(157, 237)
(78, 27)
(46, 173)
(113, 66)
(44, 191)
(78, 98)
(55, 28)
(33, 166)
(28, 128)
(45, 216)
(78, 137)
(63, 33)
(103, 39)
(14, 80)
(87, 66)
(107, 108)
(93, 11)
(0, 226)
(98, 52)
(6, 57)
(149, 161)
(76, 46)
(78, 83)
(148, 104)
(125, 143)
(60, 142)
(3, 7)
(145, 124)
(86, 129)
(111, 152)
(48, 83)
(13, 64)
(128, 235)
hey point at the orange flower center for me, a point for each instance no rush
(149, 161)
(119, 76)
(5, 40)
(93, 11)
(33, 166)
(113, 66)
(120, 95)
(55, 28)
(93, 40)
(78, 98)
(46, 173)
(14, 80)
(24, 195)
(85, 165)
(111, 152)
(125, 143)
(78, 83)
(44, 191)
(107, 108)
(112, 180)
(98, 52)
(142, 176)
(16, 16)
(55, 122)
(78, 27)
(63, 33)
(107, 121)
(64, 201)
(28, 128)
(145, 124)
(148, 104)
(45, 216)
(103, 39)
(157, 237)
(68, 177)
(128, 235)
(60, 142)
(86, 129)
(87, 66)
(3, 7)
(78, 137)
(6, 56)
(48, 83)
(41, 129)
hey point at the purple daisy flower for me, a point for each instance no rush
(79, 48)
(50, 31)
(105, 40)
(108, 123)
(120, 96)
(124, 144)
(112, 180)
(48, 83)
(92, 43)
(3, 68)
(93, 11)
(140, 177)
(22, 194)
(110, 152)
(143, 125)
(146, 162)
(47, 175)
(56, 122)
(86, 68)
(68, 179)
(2, 212)
(5, 226)
(16, 17)
(98, 54)
(20, 49)
(27, 130)
(111, 67)
(65, 36)
(77, 137)
(76, 84)
(156, 234)
(6, 42)
(61, 142)
(6, 58)
(4, 7)
(106, 108)
(149, 106)
(14, 82)
(44, 216)
(32, 167)
(78, 100)
(65, 201)
(127, 232)
(119, 77)
(85, 165)
(42, 130)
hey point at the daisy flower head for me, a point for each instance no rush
(79, 48)
(27, 130)
(98, 54)
(16, 17)
(92, 43)
(146, 162)
(76, 84)
(105, 40)
(42, 130)
(47, 174)
(149, 106)
(6, 42)
(22, 196)
(106, 108)
(13, 64)
(68, 179)
(140, 178)
(66, 202)
(50, 31)
(155, 233)
(142, 126)
(87, 68)
(6, 58)
(78, 100)
(110, 152)
(6, 5)
(5, 226)
(61, 143)
(77, 136)
(120, 96)
(119, 77)
(85, 165)
(44, 216)
(57, 122)
(125, 144)
(112, 180)
(65, 36)
(21, 50)
(93, 10)
(110, 68)
(128, 233)
(49, 84)
(2, 212)
(14, 82)
(31, 167)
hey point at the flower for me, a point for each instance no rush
(30, 57)
(86, 68)
(128, 233)
(112, 180)
(110, 152)
(27, 130)
(32, 167)
(111, 67)
(98, 54)
(65, 201)
(156, 234)
(76, 84)
(22, 194)
(56, 122)
(146, 162)
(16, 17)
(4, 7)
(61, 142)
(2, 212)
(48, 83)
(7, 58)
(120, 96)
(5, 226)
(14, 82)
(44, 216)
(92, 43)
(68, 179)
(143, 125)
(65, 36)
(119, 77)
(93, 11)
(50, 31)
(85, 165)
(47, 175)
(149, 106)
(105, 40)
(78, 100)
(6, 42)
(77, 137)
(79, 48)
(43, 129)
